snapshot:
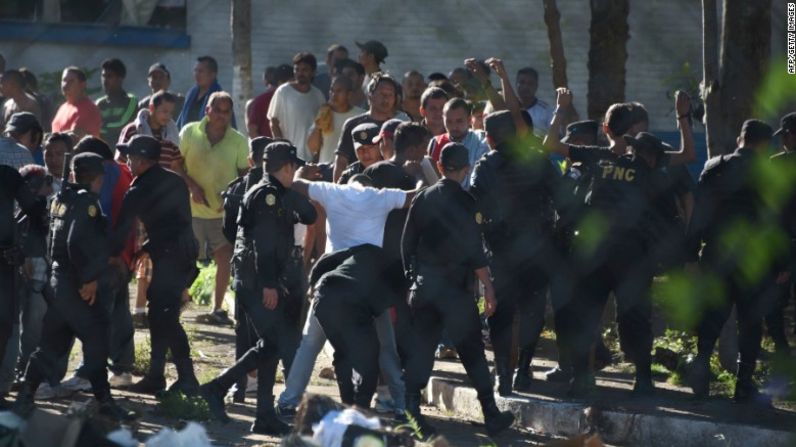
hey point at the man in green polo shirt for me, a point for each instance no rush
(117, 107)
(214, 154)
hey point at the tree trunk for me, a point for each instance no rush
(745, 57)
(710, 78)
(607, 55)
(241, 24)
(558, 63)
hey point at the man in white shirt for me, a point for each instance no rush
(355, 215)
(295, 103)
(540, 111)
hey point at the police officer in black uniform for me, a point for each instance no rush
(785, 162)
(362, 136)
(349, 294)
(514, 188)
(78, 249)
(441, 248)
(264, 244)
(245, 337)
(727, 199)
(160, 200)
(612, 261)
(13, 189)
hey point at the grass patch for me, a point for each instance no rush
(142, 356)
(179, 406)
(203, 288)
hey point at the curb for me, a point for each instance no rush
(616, 427)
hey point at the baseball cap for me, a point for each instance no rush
(376, 48)
(387, 130)
(280, 152)
(87, 163)
(364, 134)
(158, 66)
(454, 157)
(754, 131)
(647, 141)
(787, 124)
(23, 122)
(585, 127)
(141, 145)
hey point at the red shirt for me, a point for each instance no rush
(258, 113)
(83, 116)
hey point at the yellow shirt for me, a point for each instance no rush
(212, 166)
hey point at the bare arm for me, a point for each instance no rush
(340, 163)
(687, 153)
(251, 126)
(489, 291)
(552, 141)
(509, 96)
(492, 95)
(275, 129)
(314, 142)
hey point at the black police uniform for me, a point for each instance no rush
(441, 248)
(664, 224)
(78, 250)
(352, 170)
(349, 294)
(516, 198)
(726, 197)
(245, 337)
(389, 174)
(263, 246)
(775, 319)
(12, 189)
(611, 261)
(159, 198)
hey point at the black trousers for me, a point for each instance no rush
(752, 301)
(8, 299)
(170, 276)
(436, 306)
(398, 286)
(276, 335)
(69, 316)
(775, 319)
(616, 266)
(521, 288)
(349, 327)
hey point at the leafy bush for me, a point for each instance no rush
(179, 406)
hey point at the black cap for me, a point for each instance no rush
(454, 157)
(364, 134)
(647, 141)
(23, 122)
(376, 48)
(258, 145)
(87, 164)
(754, 131)
(387, 129)
(500, 126)
(578, 128)
(280, 152)
(158, 66)
(141, 145)
(787, 124)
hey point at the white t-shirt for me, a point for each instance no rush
(355, 214)
(330, 140)
(541, 115)
(295, 112)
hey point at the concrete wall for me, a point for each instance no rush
(428, 36)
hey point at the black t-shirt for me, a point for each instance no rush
(352, 170)
(619, 185)
(346, 145)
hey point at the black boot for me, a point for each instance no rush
(213, 394)
(152, 386)
(699, 376)
(495, 420)
(427, 431)
(582, 385)
(109, 408)
(266, 421)
(559, 374)
(745, 389)
(186, 379)
(503, 376)
(25, 404)
(643, 386)
(522, 377)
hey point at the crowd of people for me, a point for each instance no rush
(393, 217)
